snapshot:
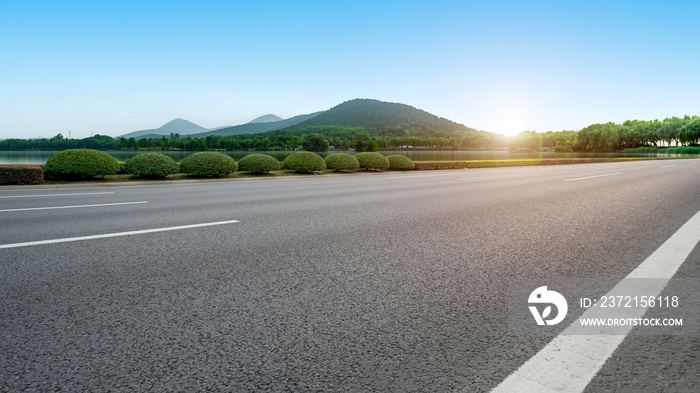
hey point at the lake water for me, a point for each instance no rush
(40, 157)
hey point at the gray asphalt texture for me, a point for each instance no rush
(384, 282)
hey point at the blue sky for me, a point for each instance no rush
(112, 67)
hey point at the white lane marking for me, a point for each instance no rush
(569, 362)
(668, 166)
(55, 195)
(117, 234)
(591, 177)
(491, 177)
(71, 207)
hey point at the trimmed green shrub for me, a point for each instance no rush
(209, 164)
(81, 163)
(304, 161)
(258, 163)
(399, 162)
(342, 162)
(618, 159)
(566, 161)
(499, 163)
(151, 165)
(21, 174)
(374, 161)
(439, 165)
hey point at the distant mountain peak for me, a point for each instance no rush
(269, 118)
(180, 123)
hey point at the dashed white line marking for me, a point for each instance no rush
(591, 177)
(668, 166)
(71, 207)
(54, 195)
(570, 361)
(117, 234)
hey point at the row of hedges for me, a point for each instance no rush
(86, 163)
(436, 165)
(21, 174)
(565, 161)
(312, 162)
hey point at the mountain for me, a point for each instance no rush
(266, 119)
(388, 118)
(377, 114)
(179, 126)
(256, 128)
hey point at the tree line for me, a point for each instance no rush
(314, 138)
(609, 137)
(593, 138)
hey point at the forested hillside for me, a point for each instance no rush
(367, 125)
(384, 117)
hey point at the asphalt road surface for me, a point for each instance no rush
(376, 282)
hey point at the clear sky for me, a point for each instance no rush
(112, 67)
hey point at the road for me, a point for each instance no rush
(377, 282)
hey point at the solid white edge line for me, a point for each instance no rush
(55, 195)
(591, 177)
(117, 234)
(569, 362)
(70, 207)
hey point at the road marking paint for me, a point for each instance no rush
(71, 207)
(569, 362)
(591, 177)
(55, 195)
(491, 177)
(668, 166)
(117, 234)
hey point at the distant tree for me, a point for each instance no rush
(315, 142)
(196, 144)
(690, 132)
(360, 141)
(526, 141)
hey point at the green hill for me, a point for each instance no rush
(266, 119)
(180, 126)
(256, 128)
(383, 117)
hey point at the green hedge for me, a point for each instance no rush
(374, 161)
(499, 163)
(81, 163)
(665, 150)
(258, 163)
(151, 165)
(21, 174)
(619, 159)
(305, 162)
(209, 164)
(400, 163)
(438, 165)
(342, 162)
(565, 161)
